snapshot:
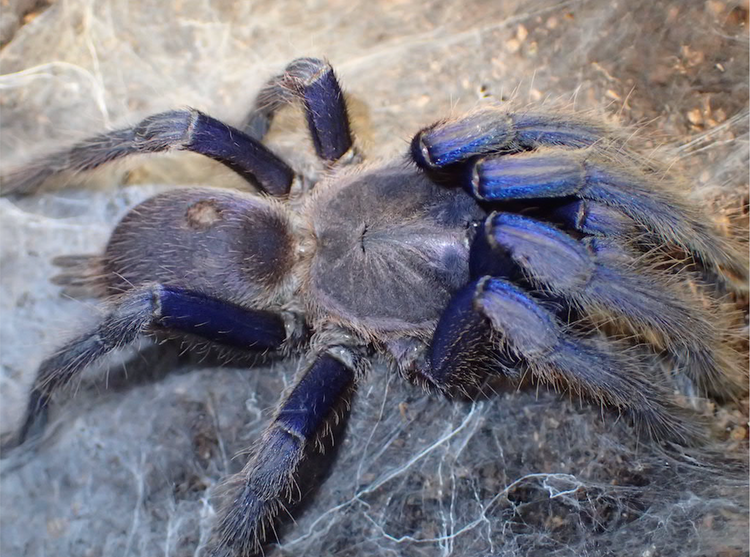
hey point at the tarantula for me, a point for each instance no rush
(508, 242)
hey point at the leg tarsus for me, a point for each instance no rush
(35, 421)
(119, 327)
(88, 154)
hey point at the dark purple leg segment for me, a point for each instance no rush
(320, 388)
(542, 250)
(240, 152)
(186, 130)
(138, 312)
(461, 340)
(326, 114)
(523, 177)
(219, 321)
(267, 481)
(456, 141)
(314, 83)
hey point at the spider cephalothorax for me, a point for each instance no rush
(505, 242)
(394, 234)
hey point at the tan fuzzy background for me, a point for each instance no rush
(130, 465)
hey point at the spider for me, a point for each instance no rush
(528, 242)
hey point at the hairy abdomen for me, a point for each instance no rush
(231, 246)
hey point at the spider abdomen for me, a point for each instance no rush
(391, 248)
(229, 245)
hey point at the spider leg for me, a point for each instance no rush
(493, 130)
(544, 174)
(595, 167)
(595, 218)
(267, 482)
(314, 83)
(138, 312)
(494, 312)
(555, 262)
(183, 130)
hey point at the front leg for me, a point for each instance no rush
(522, 248)
(501, 157)
(267, 483)
(493, 324)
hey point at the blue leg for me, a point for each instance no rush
(185, 130)
(487, 152)
(314, 83)
(140, 311)
(556, 263)
(461, 345)
(595, 218)
(267, 482)
(607, 191)
(492, 130)
(515, 322)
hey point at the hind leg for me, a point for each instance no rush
(144, 310)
